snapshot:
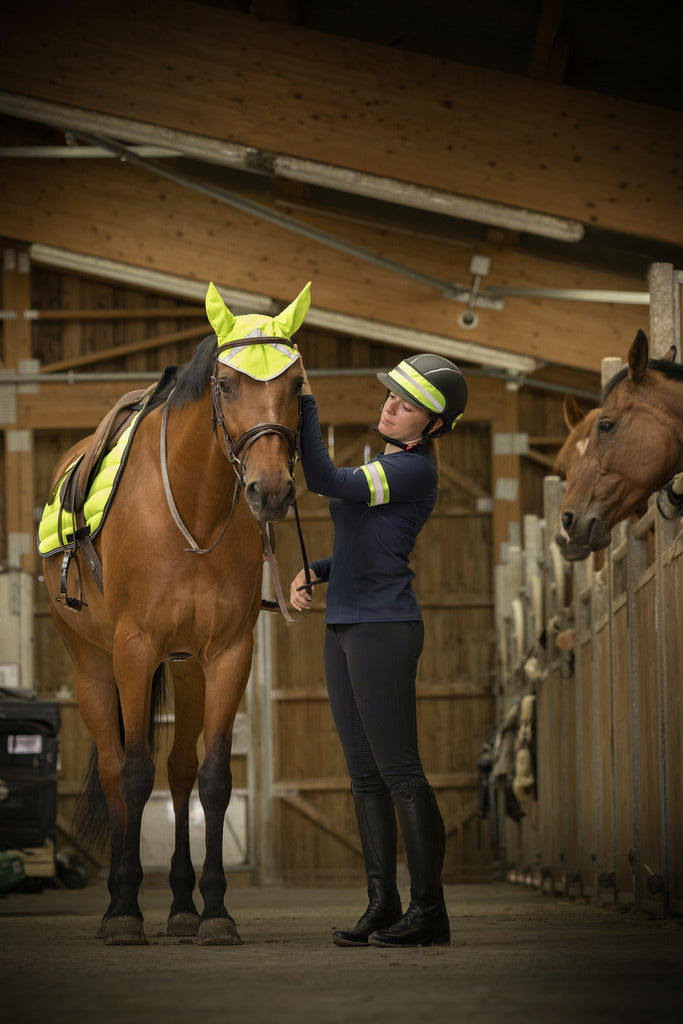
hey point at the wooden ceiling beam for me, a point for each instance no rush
(282, 88)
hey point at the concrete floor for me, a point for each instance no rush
(516, 956)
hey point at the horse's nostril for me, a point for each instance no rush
(567, 519)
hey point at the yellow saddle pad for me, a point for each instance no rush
(97, 501)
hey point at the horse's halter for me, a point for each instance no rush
(236, 452)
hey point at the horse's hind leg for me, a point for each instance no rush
(188, 684)
(134, 668)
(99, 708)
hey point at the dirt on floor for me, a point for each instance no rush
(516, 955)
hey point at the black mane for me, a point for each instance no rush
(672, 370)
(189, 381)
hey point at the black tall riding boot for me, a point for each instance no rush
(377, 828)
(425, 922)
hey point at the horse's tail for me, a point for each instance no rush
(90, 825)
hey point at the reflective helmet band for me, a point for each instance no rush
(412, 382)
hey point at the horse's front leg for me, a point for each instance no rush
(225, 684)
(134, 674)
(188, 684)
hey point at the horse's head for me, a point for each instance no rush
(633, 449)
(256, 388)
(580, 424)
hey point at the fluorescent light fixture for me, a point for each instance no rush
(341, 323)
(435, 200)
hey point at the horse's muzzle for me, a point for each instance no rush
(270, 503)
(581, 532)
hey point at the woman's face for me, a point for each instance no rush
(401, 420)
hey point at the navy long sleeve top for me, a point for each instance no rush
(378, 510)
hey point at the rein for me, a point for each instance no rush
(236, 452)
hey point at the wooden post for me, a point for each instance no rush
(19, 491)
(665, 330)
(507, 447)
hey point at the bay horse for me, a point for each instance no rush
(635, 447)
(181, 570)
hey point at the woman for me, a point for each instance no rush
(374, 636)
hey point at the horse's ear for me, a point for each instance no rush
(638, 355)
(220, 317)
(670, 356)
(291, 318)
(573, 413)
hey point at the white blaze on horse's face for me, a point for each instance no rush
(571, 452)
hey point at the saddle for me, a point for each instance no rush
(75, 485)
(74, 488)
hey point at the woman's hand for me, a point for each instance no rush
(306, 389)
(300, 597)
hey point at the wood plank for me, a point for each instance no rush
(346, 398)
(439, 780)
(462, 688)
(323, 821)
(535, 145)
(104, 355)
(169, 312)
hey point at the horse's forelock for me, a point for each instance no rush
(193, 377)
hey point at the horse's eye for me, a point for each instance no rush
(605, 426)
(224, 385)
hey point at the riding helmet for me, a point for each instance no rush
(432, 383)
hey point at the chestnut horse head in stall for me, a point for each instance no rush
(580, 424)
(181, 565)
(635, 446)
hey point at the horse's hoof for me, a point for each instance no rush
(102, 930)
(124, 931)
(218, 931)
(182, 925)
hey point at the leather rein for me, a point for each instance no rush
(237, 452)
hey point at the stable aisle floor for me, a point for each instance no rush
(516, 956)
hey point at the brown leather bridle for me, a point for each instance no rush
(236, 452)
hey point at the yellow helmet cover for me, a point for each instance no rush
(260, 361)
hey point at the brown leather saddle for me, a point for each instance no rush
(74, 489)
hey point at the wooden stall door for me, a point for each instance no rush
(314, 834)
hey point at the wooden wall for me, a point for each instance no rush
(605, 820)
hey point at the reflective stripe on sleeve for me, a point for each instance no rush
(377, 482)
